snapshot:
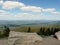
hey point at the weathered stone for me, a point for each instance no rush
(57, 34)
(22, 38)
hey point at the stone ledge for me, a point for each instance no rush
(22, 37)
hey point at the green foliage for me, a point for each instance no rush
(1, 35)
(29, 29)
(47, 31)
(6, 31)
(0, 32)
(41, 31)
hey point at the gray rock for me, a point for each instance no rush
(57, 34)
(22, 38)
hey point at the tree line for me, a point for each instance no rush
(46, 30)
(42, 31)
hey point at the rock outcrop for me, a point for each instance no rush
(22, 38)
(57, 34)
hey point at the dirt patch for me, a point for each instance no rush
(3, 41)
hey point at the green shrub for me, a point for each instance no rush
(6, 31)
(29, 29)
(47, 31)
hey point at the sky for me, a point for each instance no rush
(29, 9)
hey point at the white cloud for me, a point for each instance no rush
(56, 13)
(21, 16)
(1, 2)
(2, 12)
(26, 16)
(49, 10)
(12, 4)
(31, 8)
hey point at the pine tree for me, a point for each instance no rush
(52, 31)
(6, 31)
(43, 30)
(48, 32)
(29, 29)
(40, 31)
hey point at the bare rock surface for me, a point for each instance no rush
(57, 34)
(22, 38)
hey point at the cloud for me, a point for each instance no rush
(2, 12)
(27, 16)
(49, 10)
(31, 8)
(56, 13)
(1, 2)
(12, 4)
(9, 5)
(22, 16)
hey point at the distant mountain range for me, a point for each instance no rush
(28, 23)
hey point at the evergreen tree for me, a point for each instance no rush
(29, 29)
(48, 32)
(56, 30)
(6, 31)
(52, 31)
(43, 30)
(40, 31)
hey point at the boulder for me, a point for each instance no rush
(22, 38)
(57, 34)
